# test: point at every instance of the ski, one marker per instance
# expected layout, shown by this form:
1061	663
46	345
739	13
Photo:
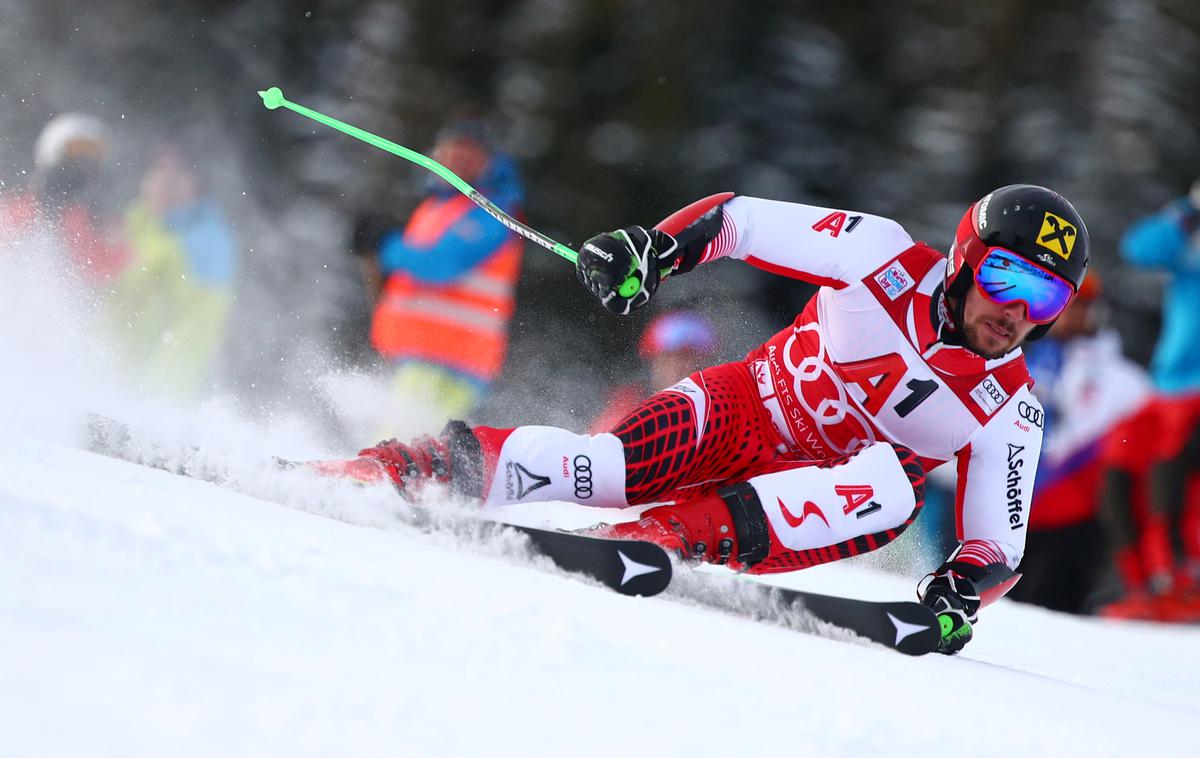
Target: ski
626	566
905	626
629	567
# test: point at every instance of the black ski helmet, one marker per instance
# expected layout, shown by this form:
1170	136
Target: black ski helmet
1036	223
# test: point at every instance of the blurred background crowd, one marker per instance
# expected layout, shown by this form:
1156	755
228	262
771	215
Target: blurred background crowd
225	249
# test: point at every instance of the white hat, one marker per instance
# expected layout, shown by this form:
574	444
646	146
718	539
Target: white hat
70	134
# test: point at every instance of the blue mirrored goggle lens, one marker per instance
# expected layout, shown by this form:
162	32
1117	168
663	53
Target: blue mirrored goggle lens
1005	277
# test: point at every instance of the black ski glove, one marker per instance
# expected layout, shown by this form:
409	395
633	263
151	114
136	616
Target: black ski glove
606	261
954	599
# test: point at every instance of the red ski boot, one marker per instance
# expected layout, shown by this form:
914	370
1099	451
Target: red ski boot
453	458
411	466
728	528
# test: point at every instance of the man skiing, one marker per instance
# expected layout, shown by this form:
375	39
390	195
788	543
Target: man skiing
815	446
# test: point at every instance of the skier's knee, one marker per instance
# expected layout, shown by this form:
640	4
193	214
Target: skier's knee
876	491
915	472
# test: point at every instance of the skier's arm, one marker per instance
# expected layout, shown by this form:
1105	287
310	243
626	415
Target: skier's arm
609	263
996	471
823	246
1161	240
995	489
819	245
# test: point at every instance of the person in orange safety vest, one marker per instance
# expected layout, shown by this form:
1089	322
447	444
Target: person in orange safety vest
446	280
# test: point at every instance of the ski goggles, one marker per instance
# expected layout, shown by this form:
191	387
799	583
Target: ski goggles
1005	277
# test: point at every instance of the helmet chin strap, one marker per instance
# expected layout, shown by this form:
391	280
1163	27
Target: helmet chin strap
947	315
958	312
956	308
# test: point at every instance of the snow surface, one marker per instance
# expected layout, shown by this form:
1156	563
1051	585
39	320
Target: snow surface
142	613
146	614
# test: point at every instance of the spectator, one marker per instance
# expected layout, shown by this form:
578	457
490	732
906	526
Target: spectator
675	344
446	280
62	200
1086	387
1138	540
171	305
1170	241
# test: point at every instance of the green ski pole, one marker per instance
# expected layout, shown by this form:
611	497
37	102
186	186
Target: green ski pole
273	98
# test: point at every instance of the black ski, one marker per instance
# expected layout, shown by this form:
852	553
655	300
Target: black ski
908	627
627	566
630	567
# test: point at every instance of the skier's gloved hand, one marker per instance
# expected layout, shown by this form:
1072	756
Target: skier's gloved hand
954	599
606	261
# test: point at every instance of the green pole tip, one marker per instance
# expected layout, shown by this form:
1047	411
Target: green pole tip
272	98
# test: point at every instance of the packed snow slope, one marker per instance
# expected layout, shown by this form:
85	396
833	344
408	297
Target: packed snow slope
146	614
142	613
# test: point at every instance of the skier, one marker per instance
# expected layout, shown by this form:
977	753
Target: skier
815	446
446	278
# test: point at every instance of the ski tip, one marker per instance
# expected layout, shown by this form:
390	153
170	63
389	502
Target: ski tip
272	98
645	577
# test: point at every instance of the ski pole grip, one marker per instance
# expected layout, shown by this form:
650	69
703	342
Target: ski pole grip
629	287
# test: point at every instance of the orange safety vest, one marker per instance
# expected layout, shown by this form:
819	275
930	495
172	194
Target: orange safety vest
461	324
89	250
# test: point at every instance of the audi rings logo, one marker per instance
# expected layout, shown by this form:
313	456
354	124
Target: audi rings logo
583	476
1030	414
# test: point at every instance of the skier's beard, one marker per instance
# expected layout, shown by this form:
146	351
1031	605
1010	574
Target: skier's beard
992	337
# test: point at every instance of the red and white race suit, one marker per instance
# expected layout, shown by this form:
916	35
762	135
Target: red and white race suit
865	363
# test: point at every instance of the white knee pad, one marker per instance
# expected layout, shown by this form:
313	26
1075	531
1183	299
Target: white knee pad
541	463
810	507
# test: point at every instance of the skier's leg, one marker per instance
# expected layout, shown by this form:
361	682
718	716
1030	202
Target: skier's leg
707	430
498	466
792	514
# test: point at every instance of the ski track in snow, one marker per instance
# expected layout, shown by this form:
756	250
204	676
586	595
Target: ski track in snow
142	613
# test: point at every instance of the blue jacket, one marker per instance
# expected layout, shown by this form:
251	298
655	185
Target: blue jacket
471	240
1170	240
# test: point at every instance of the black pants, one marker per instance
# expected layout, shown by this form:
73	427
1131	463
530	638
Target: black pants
1062	567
